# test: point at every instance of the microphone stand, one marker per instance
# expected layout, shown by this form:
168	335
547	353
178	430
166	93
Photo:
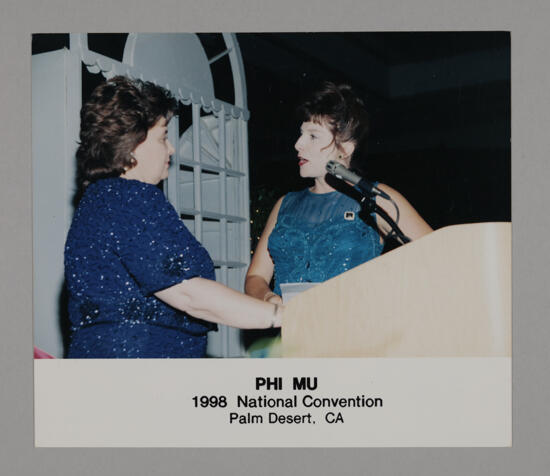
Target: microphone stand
373	206
368	203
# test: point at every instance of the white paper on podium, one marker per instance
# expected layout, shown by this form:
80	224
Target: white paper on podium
289	290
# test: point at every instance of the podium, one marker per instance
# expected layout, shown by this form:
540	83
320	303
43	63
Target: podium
447	294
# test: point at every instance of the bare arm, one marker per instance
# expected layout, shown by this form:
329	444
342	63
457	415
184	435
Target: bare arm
261	268
215	302
410	222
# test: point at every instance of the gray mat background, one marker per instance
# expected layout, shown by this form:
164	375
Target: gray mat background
527	20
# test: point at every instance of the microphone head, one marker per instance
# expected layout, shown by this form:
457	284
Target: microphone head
332	166
340	171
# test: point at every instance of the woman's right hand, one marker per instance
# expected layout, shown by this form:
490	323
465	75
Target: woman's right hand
273	298
278	314
207	299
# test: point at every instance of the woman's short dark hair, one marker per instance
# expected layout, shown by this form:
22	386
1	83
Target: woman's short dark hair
114	121
340	109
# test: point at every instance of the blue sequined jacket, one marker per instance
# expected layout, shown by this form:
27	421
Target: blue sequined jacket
126	242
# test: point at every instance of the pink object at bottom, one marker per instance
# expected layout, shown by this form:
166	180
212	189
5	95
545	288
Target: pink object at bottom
40	354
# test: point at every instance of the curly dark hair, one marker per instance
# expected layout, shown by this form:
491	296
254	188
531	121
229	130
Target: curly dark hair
341	110
114	121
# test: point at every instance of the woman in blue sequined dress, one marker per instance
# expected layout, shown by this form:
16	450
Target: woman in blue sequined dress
139	283
316	234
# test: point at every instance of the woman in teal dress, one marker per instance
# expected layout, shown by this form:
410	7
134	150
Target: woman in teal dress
316	234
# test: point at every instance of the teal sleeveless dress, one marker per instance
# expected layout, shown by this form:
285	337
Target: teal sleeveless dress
318	237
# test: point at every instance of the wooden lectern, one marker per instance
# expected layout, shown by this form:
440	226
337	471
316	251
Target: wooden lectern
447	294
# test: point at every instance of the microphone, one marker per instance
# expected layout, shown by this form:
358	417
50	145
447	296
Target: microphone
341	172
